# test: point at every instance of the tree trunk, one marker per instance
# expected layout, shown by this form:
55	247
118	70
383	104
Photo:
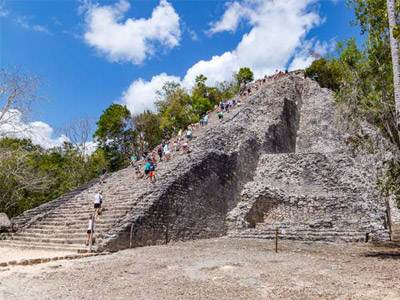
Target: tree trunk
394	46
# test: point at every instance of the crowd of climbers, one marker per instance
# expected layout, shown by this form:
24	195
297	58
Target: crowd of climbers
178	144
249	89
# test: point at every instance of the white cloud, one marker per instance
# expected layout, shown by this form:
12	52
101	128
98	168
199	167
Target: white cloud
278	29
217	69
26	23
192	34
39	132
131	40
141	94
301	61
90	147
310	51
277	37
40	28
3	11
230	20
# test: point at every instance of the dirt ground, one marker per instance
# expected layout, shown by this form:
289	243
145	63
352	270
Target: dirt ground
215	269
9	254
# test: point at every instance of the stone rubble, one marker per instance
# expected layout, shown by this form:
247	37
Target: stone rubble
5	223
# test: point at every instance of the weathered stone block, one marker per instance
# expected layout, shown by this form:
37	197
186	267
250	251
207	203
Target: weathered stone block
5	223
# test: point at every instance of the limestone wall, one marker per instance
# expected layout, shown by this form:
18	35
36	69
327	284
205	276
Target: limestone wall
321	187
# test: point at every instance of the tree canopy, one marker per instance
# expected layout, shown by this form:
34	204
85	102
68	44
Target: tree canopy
244	76
115	135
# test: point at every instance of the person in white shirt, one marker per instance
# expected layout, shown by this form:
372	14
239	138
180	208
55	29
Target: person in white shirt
98	200
167	152
90	229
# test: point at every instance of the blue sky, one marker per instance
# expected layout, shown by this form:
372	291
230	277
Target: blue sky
87	61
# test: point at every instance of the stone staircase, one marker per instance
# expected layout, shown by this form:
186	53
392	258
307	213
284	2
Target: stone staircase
64	227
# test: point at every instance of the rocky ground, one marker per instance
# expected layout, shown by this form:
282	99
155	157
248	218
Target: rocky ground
215	269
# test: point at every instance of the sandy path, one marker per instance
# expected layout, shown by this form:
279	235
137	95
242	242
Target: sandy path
215	269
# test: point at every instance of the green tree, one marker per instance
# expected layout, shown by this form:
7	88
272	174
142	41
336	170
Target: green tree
175	108
31	175
18	175
326	73
148	126
115	135
201	102
371	82
227	90
244	76
200	89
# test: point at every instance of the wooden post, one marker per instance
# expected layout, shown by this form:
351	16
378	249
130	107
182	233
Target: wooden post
276	240
167	233
130	238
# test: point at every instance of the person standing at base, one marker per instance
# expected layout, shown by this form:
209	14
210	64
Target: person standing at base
90	230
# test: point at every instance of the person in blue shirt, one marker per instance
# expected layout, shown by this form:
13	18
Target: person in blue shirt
147	167
150	170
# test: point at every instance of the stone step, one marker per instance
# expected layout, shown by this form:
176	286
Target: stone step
78	226
61	230
59	224
116	205
107	213
90	210
35	245
85	217
56	234
48	239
